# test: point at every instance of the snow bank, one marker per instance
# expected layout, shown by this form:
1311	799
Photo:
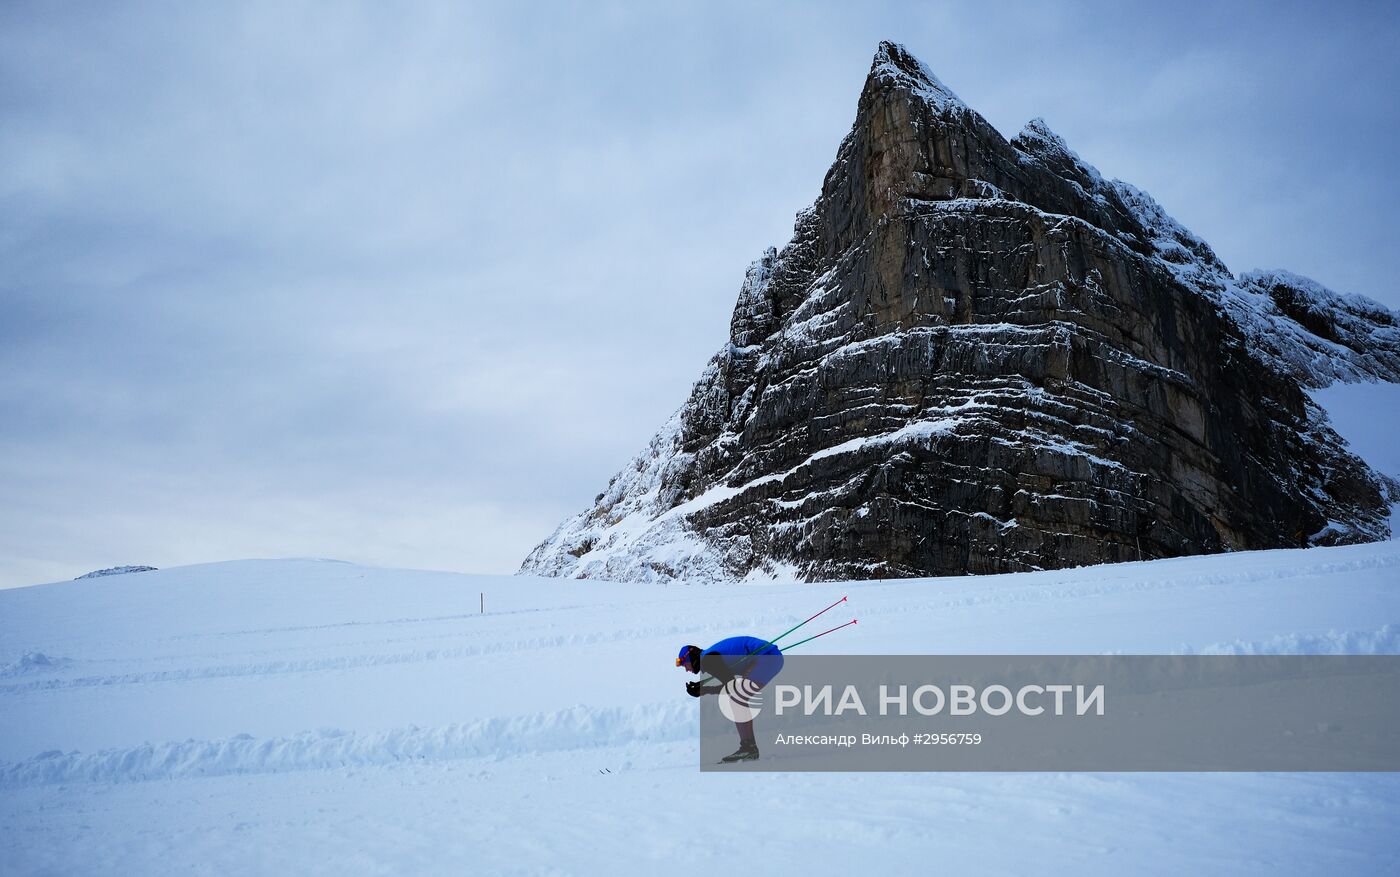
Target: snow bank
577	727
1385	641
33	662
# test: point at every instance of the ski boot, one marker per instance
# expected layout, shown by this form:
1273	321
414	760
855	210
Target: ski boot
746	752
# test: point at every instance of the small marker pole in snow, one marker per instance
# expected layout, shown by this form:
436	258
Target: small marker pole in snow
483	602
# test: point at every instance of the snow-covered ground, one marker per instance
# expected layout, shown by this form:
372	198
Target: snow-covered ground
319	717
309	716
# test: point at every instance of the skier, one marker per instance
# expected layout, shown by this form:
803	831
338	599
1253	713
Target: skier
729	661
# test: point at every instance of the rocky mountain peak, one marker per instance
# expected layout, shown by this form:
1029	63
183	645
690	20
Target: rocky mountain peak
1037	130
895	67
1050	150
978	355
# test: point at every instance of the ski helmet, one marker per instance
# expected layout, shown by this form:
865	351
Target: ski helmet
689	658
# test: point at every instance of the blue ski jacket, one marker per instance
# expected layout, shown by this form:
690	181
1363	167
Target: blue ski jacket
746	656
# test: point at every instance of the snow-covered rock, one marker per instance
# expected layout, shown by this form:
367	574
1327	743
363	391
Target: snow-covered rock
115	571
978	355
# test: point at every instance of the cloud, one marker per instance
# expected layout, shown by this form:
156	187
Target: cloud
407	286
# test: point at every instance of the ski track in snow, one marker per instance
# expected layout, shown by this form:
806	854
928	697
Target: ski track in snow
325	718
577	727
1059	592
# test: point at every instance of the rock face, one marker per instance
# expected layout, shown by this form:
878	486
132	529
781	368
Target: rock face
979	356
114	571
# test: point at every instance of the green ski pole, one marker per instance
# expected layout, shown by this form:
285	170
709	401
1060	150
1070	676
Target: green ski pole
748	658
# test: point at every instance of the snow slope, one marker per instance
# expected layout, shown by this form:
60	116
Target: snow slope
306	716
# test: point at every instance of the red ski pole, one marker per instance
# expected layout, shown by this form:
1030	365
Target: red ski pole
823	633
775	639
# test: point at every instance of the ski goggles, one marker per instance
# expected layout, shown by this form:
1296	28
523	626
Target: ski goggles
685	653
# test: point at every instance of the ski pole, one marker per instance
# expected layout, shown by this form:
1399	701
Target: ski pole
823	633
773	642
775	639
747	658
809	639
751	655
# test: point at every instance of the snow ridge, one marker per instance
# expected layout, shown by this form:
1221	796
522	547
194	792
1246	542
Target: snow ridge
33	663
326	749
1385	641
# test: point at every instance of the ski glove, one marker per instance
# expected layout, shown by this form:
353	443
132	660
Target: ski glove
697	688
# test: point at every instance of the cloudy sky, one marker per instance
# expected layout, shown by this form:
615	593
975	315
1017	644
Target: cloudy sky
404	284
